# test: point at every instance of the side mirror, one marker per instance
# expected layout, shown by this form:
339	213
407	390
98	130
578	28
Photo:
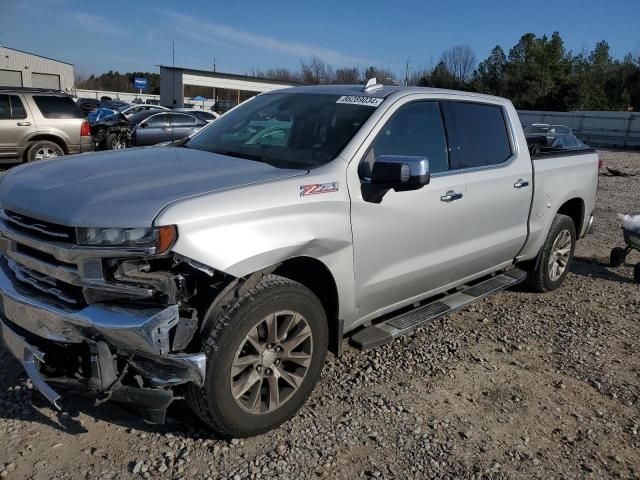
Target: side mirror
400	172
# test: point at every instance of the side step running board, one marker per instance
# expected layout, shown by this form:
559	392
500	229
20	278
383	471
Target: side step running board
385	332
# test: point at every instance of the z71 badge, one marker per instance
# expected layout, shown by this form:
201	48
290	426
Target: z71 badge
317	188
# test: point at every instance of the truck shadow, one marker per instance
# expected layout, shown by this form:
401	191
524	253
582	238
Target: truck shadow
595	268
20	402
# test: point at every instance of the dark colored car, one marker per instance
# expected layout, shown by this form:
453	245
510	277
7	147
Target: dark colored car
544	142
87	105
153	126
145	128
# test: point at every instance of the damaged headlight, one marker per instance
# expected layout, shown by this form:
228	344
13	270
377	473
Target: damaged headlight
162	238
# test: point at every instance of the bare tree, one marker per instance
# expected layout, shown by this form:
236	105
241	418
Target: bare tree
460	61
316	71
347	76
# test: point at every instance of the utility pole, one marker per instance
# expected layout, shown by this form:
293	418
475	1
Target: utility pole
406	73
214	64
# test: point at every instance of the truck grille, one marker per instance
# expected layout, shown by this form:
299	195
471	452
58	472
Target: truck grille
46	284
38	228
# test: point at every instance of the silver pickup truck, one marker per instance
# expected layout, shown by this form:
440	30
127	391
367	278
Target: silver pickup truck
222	268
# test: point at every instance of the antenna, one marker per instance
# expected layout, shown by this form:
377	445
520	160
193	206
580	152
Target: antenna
372	84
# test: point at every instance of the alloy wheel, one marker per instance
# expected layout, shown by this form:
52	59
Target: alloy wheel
560	255
45	153
271	362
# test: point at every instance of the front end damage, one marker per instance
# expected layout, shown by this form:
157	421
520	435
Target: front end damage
117	323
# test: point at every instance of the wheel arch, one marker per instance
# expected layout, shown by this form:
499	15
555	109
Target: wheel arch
574	208
49	137
316	276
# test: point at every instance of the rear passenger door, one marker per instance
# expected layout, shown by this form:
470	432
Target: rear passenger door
498	179
182	125
16	126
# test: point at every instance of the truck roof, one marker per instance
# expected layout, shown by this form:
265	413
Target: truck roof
382	91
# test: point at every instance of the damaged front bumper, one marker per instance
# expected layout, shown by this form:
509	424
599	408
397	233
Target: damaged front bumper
116	340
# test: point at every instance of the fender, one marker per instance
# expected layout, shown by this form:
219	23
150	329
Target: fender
244	230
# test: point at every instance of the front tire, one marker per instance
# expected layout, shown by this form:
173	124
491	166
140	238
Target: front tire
555	257
264	357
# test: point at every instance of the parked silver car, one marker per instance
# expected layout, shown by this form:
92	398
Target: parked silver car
37	124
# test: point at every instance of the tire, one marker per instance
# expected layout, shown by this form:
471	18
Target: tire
44	150
617	257
115	141
543	277
636	273
219	403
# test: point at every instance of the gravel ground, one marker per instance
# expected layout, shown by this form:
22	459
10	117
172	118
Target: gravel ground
518	386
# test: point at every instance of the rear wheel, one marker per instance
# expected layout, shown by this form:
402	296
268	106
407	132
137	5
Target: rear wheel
44	150
618	256
116	141
264	356
555	256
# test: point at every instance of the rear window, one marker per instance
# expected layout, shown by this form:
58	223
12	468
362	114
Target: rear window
481	134
52	106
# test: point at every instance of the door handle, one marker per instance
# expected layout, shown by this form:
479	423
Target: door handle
451	196
521	183
24	124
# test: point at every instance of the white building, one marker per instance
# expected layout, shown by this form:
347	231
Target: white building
23	69
223	89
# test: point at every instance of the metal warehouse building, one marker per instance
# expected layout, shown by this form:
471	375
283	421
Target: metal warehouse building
23	69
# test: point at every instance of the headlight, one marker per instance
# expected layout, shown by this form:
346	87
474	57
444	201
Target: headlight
161	237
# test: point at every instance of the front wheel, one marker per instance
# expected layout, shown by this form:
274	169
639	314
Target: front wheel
264	356
555	256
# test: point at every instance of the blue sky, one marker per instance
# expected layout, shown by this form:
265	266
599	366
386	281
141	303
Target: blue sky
122	35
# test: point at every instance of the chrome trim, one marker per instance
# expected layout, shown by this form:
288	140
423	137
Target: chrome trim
29	356
35	226
132	329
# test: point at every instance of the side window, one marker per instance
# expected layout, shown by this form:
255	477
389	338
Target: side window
5	108
158	120
183	120
416	129
17	108
481	137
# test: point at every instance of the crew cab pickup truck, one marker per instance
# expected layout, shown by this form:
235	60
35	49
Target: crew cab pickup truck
224	267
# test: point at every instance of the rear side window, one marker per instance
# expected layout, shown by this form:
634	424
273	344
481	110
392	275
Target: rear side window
52	106
481	137
17	108
183	120
158	120
414	130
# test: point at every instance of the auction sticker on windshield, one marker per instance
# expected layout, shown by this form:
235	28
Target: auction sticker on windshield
355	100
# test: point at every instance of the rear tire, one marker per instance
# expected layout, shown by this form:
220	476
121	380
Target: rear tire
115	141
617	257
44	150
555	257
636	273
247	390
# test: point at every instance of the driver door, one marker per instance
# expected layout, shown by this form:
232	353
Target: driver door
408	244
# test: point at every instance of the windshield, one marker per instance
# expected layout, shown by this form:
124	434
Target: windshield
285	130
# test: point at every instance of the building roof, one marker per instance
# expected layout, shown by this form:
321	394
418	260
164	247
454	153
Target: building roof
35	55
231	76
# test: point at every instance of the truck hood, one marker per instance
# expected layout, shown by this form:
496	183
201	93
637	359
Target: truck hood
126	188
